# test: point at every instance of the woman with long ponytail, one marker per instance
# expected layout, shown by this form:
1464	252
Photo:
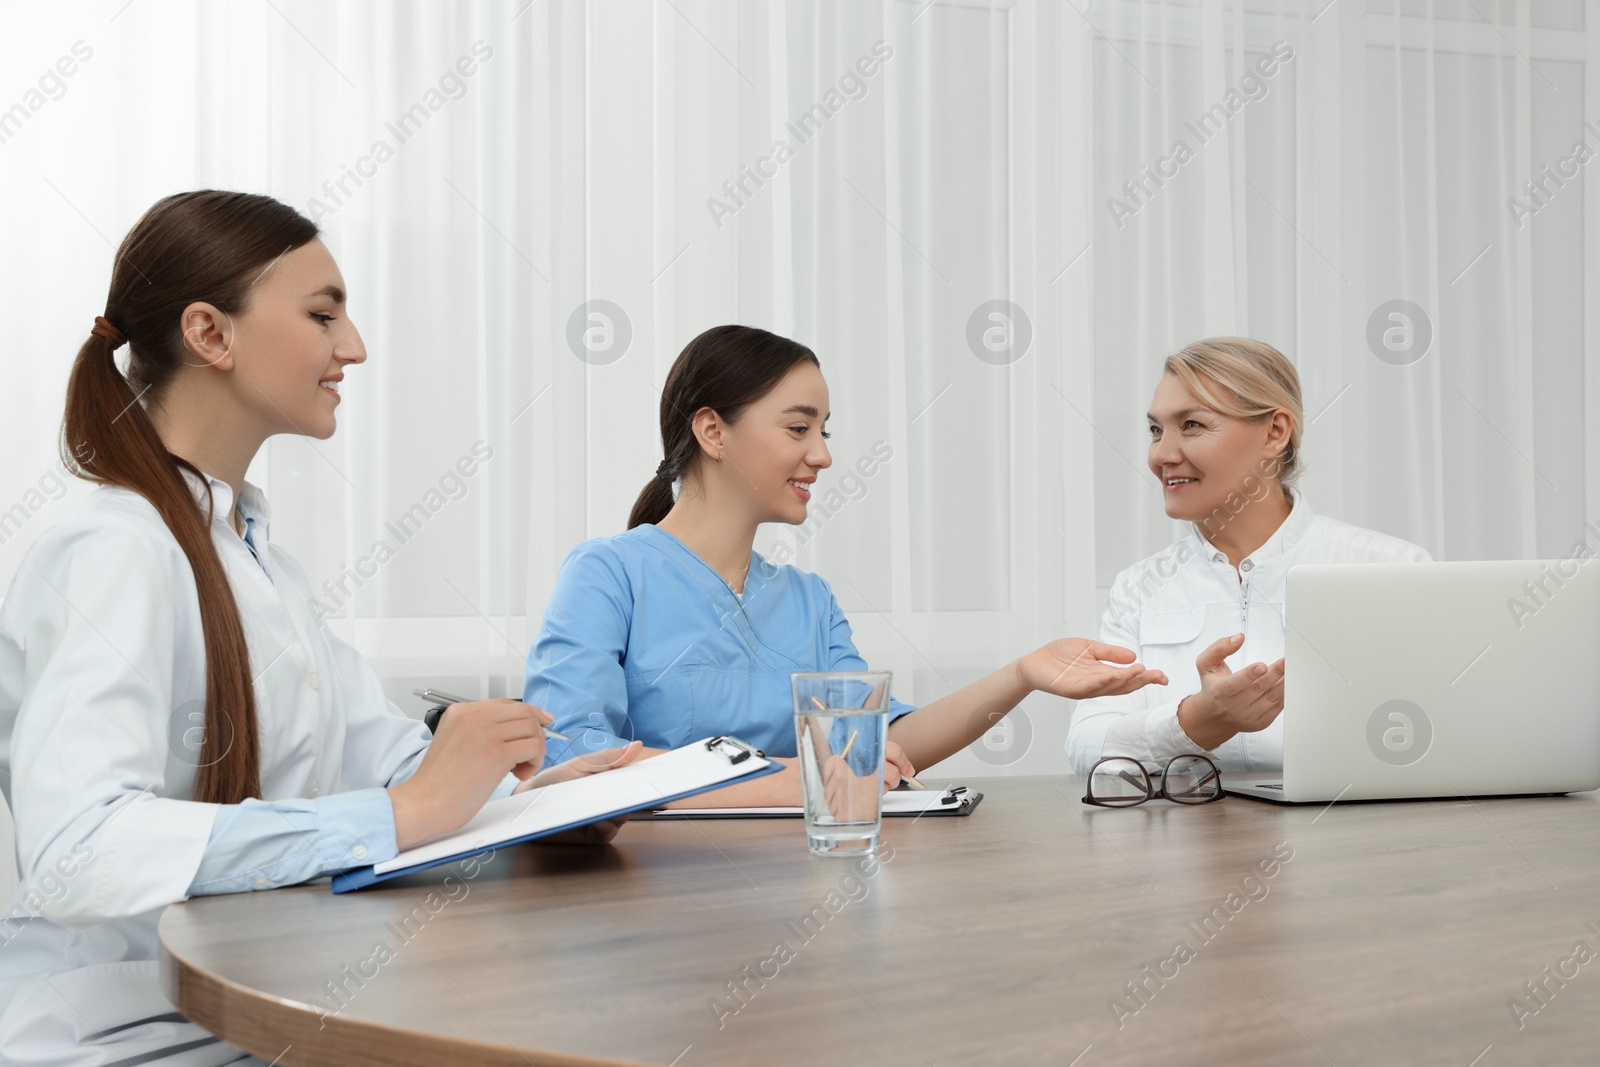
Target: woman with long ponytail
175	717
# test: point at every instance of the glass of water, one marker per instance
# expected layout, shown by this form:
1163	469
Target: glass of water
841	726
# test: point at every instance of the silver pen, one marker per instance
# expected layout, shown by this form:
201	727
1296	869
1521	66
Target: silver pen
446	698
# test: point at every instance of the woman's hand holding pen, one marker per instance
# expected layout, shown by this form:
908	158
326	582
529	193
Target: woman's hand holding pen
896	766
473	749
842	785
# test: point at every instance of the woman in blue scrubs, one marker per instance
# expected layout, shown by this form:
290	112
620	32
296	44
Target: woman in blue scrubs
677	629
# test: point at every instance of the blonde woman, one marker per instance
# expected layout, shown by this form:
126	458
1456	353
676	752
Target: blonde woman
1225	427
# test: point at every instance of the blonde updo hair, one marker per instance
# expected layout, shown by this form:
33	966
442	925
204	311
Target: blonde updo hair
1256	380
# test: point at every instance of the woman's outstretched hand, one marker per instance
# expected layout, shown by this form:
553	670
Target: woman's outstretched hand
1078	669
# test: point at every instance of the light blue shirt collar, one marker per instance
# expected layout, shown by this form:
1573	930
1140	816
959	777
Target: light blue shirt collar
253	508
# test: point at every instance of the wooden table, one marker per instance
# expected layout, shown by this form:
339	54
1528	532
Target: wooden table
1037	931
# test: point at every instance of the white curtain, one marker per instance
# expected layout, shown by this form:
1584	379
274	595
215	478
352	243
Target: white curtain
482	171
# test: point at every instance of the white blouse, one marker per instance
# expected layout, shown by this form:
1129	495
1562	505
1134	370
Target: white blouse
102	696
1170	607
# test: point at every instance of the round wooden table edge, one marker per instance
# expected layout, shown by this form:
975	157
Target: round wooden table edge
272	1027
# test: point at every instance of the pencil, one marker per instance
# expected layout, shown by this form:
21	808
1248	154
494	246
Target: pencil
909	779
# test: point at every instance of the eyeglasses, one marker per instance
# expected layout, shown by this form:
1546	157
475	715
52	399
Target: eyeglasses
1120	782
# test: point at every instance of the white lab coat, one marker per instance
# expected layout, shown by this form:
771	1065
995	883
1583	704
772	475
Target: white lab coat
1170	607
102	687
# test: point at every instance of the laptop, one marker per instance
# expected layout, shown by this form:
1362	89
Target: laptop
1438	680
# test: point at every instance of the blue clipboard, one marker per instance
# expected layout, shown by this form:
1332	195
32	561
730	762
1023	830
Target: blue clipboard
600	799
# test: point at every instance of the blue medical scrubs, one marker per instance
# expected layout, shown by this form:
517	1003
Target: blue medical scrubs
643	640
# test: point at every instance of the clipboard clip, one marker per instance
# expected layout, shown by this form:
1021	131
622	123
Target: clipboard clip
736	751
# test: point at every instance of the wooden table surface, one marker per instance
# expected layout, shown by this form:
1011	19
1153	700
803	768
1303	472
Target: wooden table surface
1036	931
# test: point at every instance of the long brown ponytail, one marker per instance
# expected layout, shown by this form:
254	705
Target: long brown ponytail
726	369
202	246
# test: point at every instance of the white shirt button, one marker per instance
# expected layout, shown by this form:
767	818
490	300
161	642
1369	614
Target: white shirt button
359	852
314	680
261	882
1246	565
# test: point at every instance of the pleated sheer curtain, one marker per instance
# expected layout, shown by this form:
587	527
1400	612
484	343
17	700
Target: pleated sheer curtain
991	222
